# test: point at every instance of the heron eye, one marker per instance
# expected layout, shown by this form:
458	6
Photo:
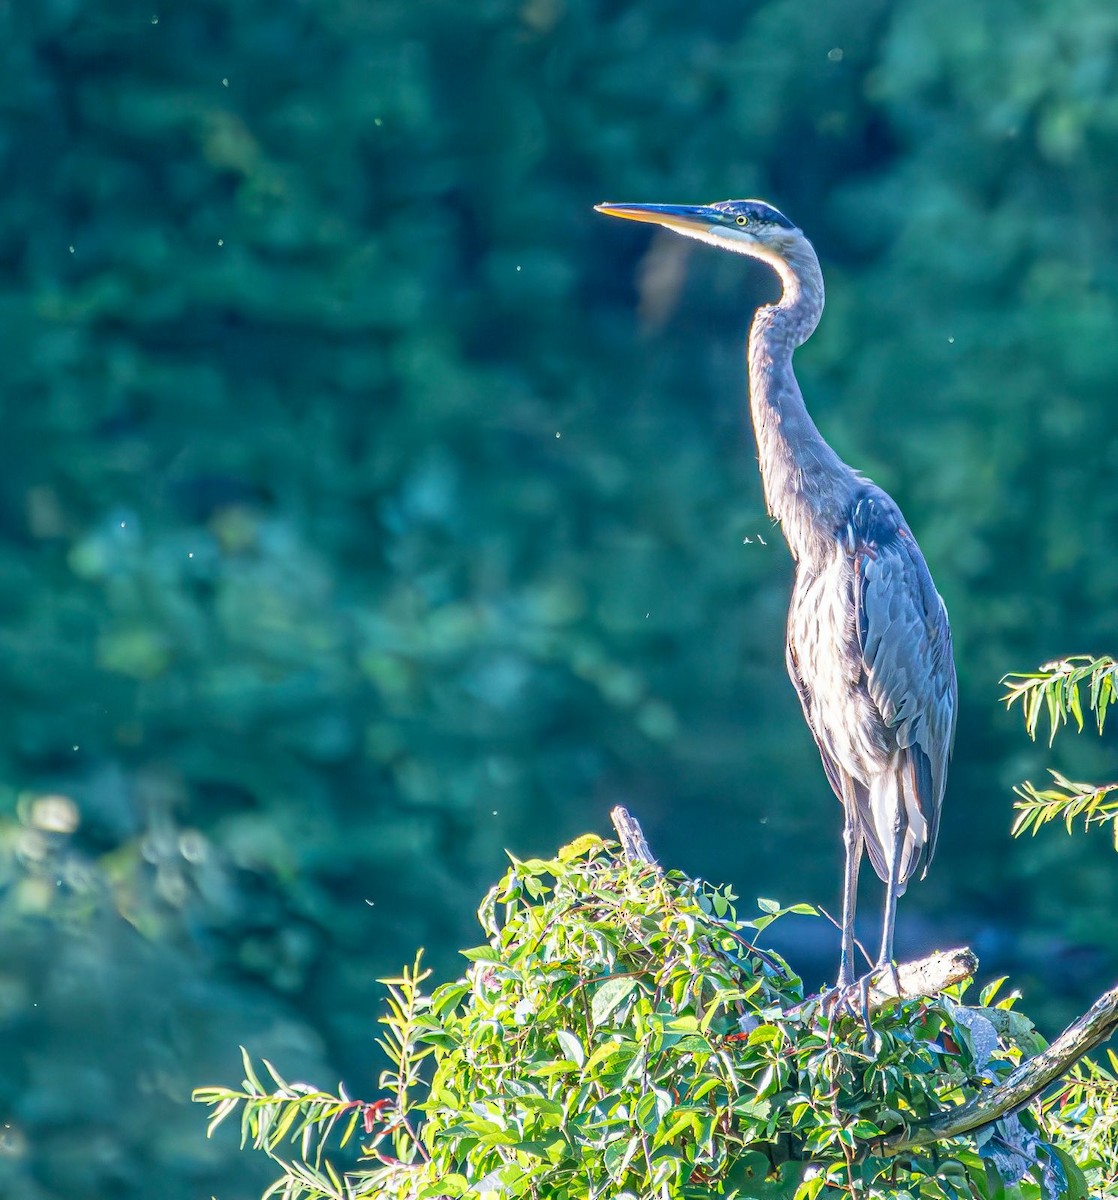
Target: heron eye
743	220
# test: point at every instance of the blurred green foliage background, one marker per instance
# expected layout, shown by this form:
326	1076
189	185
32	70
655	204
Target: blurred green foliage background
369	505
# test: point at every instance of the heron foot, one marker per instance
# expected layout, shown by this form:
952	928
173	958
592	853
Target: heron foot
848	1000
852	998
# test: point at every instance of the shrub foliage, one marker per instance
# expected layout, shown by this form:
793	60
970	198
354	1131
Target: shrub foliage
620	1033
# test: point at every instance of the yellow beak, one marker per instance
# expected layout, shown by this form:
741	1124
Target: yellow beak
673	216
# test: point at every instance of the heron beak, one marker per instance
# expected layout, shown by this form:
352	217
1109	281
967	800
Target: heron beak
686	217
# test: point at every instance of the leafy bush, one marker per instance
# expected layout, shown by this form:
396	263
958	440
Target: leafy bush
620	1033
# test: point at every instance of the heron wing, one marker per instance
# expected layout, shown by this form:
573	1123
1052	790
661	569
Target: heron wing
902	629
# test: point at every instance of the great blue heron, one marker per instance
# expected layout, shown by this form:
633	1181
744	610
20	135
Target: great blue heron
868	642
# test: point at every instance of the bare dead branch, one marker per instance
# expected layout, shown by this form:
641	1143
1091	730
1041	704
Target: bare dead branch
926	977
929	976
631	836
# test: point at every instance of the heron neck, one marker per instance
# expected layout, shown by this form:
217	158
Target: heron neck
805	482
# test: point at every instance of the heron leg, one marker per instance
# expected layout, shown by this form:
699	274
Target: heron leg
852	841
885	958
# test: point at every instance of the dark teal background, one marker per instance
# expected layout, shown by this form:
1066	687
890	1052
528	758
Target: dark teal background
369	505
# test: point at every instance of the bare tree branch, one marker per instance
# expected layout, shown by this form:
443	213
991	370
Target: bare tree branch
631	836
929	976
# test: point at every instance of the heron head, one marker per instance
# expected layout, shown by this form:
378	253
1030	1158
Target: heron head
746	226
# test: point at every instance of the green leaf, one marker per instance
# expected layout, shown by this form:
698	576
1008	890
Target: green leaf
559	1066
482	954
608	996
602	1054
679	1122
702	1090
450	1185
619	1154
810	1188
1078	1187
571	1045
986	997
651	1109
581	846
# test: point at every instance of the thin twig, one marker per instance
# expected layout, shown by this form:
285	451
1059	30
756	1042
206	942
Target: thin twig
838	926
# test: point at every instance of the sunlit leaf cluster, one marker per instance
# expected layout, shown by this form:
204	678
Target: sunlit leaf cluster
1055	690
1066	801
620	1033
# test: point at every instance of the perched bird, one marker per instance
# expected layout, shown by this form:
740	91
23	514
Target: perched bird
868	641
